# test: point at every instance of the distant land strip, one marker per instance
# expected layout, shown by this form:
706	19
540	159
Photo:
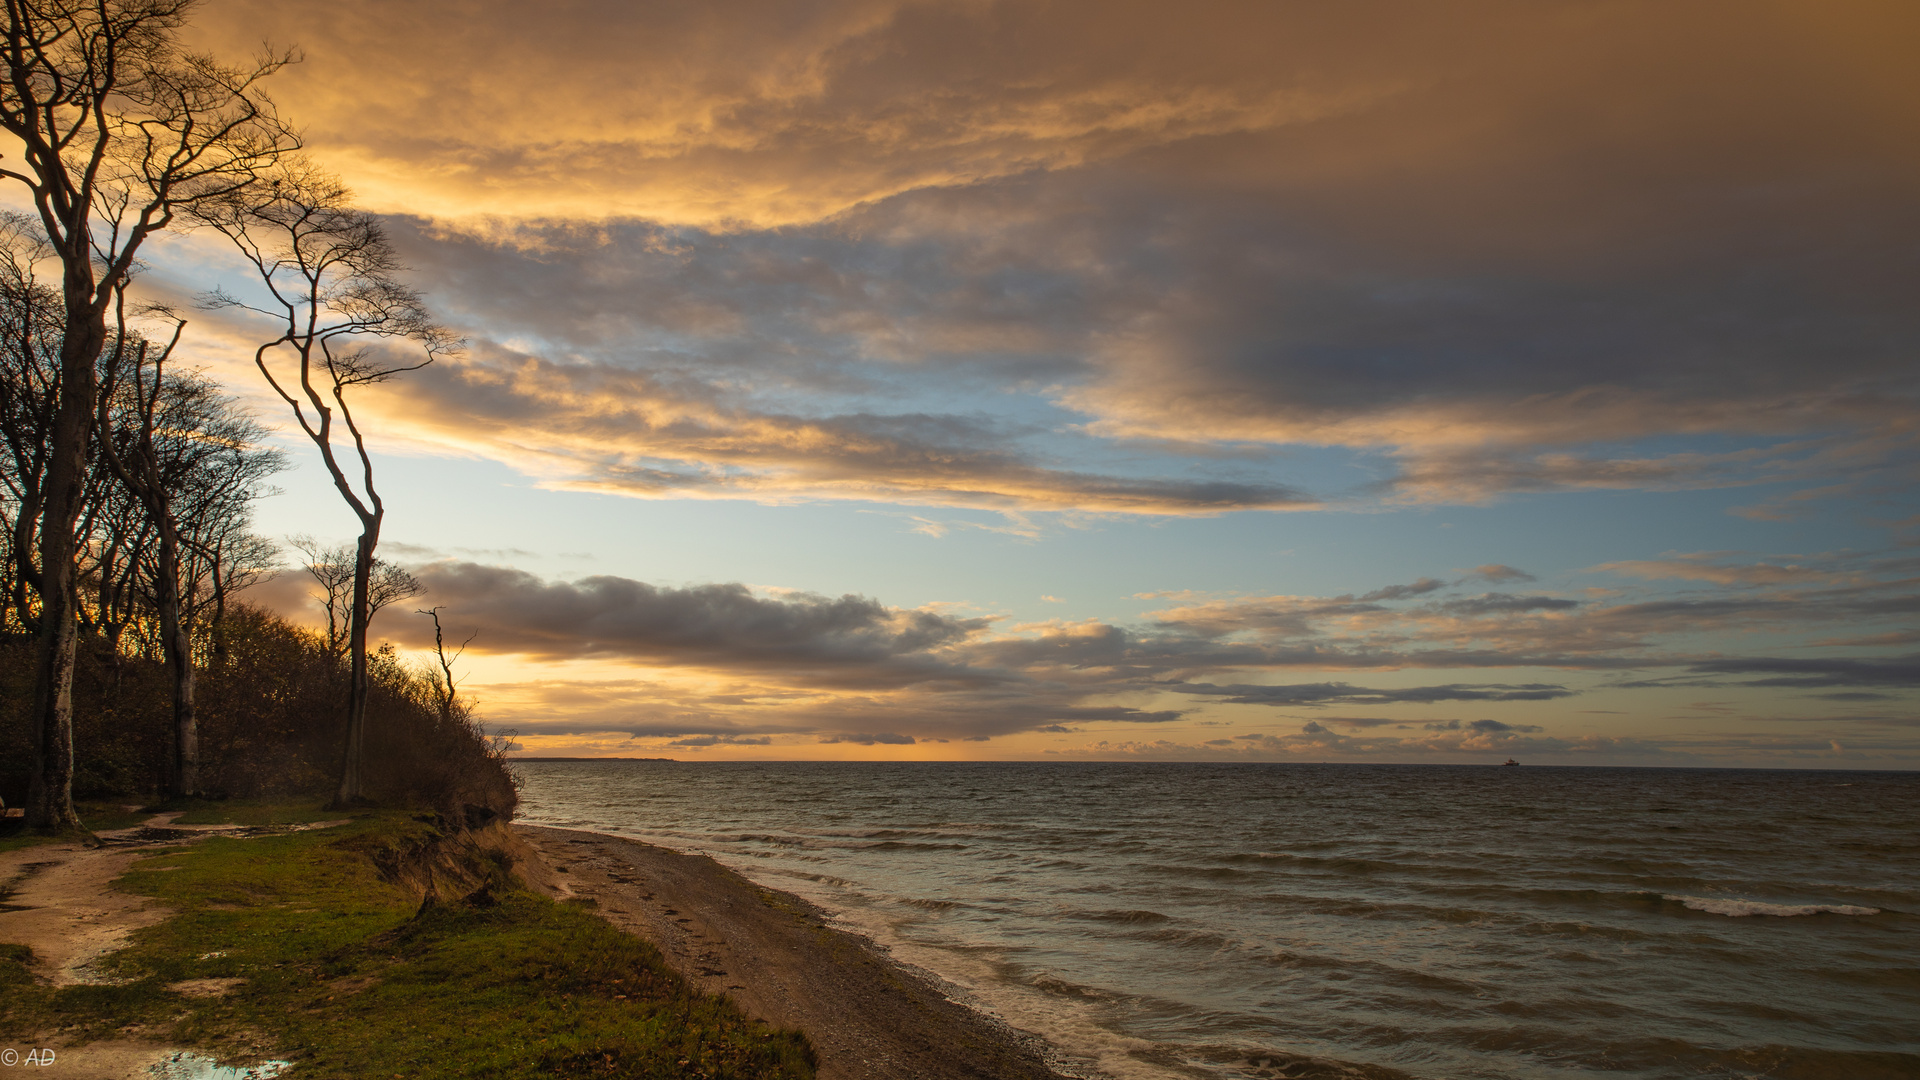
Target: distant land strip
592	759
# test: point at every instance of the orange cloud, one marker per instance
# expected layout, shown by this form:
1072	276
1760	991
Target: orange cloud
764	113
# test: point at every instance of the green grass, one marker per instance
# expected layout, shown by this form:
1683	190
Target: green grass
344	978
254	812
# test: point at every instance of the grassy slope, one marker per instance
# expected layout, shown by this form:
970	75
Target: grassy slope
343	978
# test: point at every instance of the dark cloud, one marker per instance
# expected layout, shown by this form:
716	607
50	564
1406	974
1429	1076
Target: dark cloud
1903	671
1329	693
850	638
851	668
1401	592
701	742
871	740
1504	602
1488	726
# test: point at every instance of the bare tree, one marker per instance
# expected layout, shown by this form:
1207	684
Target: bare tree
139	471
186	453
335	569
445	686
332	568
332	287
234	559
118	130
31	321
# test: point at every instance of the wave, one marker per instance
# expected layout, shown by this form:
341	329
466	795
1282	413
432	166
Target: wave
1736	908
1125	916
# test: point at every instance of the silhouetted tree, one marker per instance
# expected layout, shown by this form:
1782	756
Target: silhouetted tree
188	455
118	131
445	686
332	286
335	569
31	322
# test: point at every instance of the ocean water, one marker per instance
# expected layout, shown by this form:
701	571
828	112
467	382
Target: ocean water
1242	921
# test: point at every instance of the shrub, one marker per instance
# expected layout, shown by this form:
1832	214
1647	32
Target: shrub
271	710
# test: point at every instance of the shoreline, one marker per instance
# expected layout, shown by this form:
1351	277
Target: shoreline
869	1016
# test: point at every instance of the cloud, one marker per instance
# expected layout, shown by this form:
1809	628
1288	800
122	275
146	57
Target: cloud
1488	726
871	740
701	742
848	640
613	429
1498	574
766	113
805	251
1712	567
1903	671
1333	693
730	665
1401	592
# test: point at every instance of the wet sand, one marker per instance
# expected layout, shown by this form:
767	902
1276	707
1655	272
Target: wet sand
868	1017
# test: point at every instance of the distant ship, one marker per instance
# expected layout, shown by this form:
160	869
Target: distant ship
1510	761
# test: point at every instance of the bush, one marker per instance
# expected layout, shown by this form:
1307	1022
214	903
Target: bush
271	713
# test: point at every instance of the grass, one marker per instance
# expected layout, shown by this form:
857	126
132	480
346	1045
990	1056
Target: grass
252	812
346	978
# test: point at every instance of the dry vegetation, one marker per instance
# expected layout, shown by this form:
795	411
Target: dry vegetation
270	710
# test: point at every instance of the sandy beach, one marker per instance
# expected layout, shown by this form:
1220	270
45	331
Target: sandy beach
868	1017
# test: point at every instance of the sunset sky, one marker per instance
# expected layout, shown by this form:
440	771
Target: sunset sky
1251	381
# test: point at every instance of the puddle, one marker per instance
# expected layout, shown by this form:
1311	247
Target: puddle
187	1065
162	834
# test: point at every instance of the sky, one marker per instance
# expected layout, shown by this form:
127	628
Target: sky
1260	381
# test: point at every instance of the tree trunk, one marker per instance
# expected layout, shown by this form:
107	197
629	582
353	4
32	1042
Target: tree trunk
26	583
50	783
176	642
219	624
350	782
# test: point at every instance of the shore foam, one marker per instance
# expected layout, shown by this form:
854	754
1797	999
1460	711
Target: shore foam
1737	908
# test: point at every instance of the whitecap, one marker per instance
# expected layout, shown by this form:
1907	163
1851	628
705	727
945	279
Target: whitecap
1738	908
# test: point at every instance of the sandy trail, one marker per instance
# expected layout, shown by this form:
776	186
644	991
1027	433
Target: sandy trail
57	899
868	1017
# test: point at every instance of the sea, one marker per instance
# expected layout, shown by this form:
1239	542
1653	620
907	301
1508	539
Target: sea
1239	921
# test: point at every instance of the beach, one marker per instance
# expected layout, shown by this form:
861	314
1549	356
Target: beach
868	1017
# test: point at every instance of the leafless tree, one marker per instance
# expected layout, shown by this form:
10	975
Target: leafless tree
139	468
31	321
332	288
445	686
119	130
332	568
189	457
335	569
234	559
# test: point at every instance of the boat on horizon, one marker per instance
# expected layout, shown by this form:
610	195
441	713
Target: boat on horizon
1509	761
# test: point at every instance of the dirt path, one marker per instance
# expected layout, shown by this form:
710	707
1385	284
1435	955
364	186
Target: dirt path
868	1017
59	900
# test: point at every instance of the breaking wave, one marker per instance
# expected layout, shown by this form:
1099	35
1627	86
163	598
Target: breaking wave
1737	909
